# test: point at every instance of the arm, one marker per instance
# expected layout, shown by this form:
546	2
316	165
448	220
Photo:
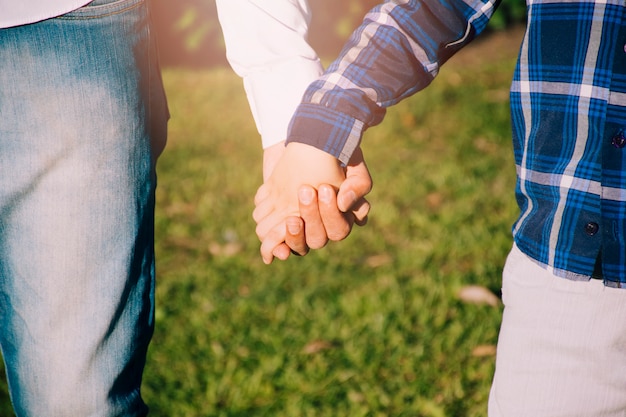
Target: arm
266	45
397	51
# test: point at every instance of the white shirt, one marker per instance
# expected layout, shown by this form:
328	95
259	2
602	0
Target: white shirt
21	12
266	45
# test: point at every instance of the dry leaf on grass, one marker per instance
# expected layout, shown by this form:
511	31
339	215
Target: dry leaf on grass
476	294
316	346
226	250
484	350
375	261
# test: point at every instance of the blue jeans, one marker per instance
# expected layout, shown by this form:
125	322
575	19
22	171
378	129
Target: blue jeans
82	120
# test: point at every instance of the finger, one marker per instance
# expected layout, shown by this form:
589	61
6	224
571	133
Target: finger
352	192
266	216
357	185
262	210
360	210
295	238
315	232
336	223
273	239
282	252
268	224
261	194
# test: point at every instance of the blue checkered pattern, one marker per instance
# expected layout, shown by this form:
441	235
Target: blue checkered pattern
568	106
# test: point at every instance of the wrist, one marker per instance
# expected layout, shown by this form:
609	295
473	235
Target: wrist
271	156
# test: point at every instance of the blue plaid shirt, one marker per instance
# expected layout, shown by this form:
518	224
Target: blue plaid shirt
568	107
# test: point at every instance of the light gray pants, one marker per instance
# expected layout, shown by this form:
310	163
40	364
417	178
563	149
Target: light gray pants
562	346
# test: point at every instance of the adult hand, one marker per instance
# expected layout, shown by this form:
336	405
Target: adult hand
327	215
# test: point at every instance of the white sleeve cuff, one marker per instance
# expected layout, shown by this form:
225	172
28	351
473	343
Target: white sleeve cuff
275	93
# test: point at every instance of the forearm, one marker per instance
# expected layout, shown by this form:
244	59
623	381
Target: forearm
397	51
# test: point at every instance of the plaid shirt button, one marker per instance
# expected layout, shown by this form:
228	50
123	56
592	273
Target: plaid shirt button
591	228
619	140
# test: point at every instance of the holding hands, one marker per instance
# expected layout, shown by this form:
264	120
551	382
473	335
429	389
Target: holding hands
307	199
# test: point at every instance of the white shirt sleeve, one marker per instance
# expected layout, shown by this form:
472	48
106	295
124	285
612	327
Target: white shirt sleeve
16	13
266	44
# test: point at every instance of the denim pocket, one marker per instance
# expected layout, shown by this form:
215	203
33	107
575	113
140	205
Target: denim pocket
102	8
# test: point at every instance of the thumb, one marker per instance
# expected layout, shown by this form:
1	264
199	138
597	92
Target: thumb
358	183
352	191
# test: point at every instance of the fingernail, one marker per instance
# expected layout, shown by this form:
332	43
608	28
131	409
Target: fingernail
293	226
325	194
305	194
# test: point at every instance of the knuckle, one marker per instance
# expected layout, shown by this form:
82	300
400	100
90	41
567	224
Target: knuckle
297	247
261	232
300	251
317	242
339	233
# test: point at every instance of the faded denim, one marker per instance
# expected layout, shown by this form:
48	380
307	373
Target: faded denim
82	121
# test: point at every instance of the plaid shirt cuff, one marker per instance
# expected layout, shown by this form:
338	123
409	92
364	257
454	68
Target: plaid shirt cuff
326	129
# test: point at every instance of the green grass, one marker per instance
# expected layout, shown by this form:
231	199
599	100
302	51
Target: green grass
372	326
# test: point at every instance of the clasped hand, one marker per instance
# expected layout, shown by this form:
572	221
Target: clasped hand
309	199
